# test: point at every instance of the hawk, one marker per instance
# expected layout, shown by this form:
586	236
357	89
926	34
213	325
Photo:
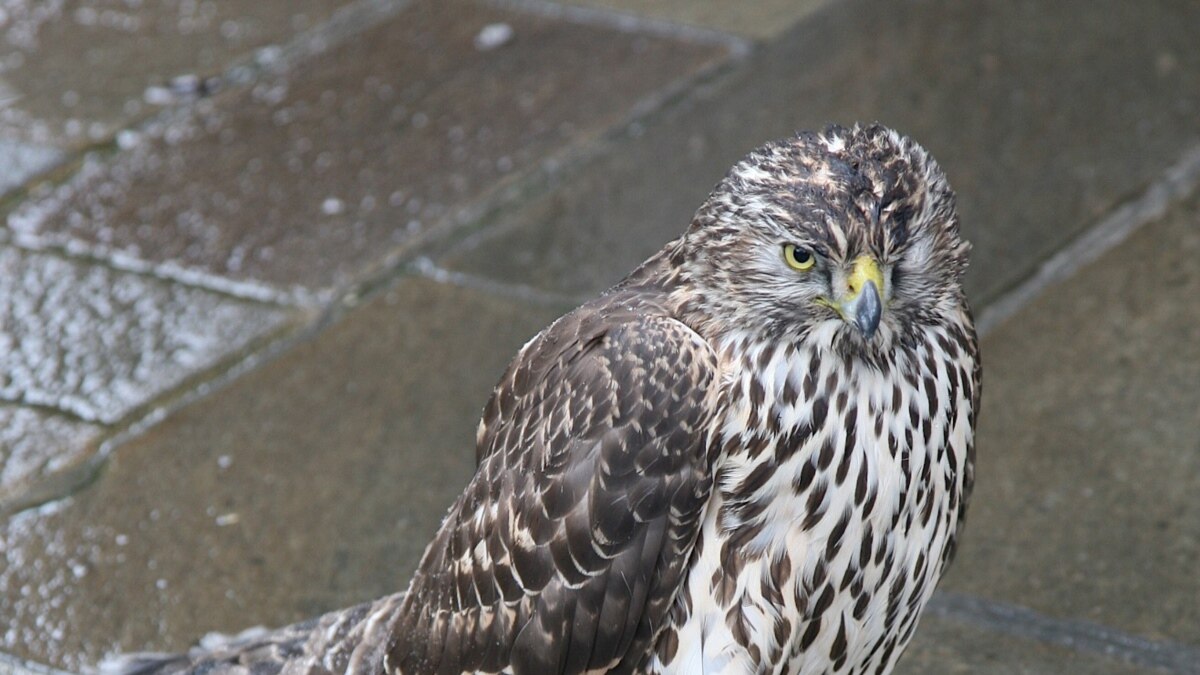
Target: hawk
753	454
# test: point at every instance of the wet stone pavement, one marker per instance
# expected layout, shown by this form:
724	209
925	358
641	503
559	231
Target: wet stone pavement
261	263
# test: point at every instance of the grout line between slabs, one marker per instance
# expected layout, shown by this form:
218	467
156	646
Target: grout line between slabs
196	386
145	415
11	665
1176	183
169	272
1074	634
629	23
343	24
425	267
66	414
74	250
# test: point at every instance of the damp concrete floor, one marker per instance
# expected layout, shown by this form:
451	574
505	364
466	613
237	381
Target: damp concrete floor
262	262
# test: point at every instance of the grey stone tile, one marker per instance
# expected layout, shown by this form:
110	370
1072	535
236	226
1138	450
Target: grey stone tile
21	161
311	483
97	343
1089	444
762	19
309	179
77	69
36	447
944	647
1043	115
14	666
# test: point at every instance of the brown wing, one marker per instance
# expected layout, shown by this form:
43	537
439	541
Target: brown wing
568	546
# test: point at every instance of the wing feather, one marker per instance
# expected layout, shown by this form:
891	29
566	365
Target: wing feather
565	551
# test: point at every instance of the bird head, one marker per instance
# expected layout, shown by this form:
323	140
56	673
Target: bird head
848	237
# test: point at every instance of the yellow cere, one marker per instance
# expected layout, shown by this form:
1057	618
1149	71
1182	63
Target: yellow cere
798	258
865	269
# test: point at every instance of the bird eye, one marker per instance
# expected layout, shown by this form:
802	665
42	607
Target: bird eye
798	258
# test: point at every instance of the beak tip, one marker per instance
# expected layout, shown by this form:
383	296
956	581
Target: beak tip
868	311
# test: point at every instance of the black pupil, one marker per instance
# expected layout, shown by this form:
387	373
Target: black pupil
801	255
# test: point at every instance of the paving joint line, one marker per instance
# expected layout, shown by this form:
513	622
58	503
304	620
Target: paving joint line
48	409
69	248
629	22
1177	183
12	665
345	23
425	267
59	173
1074	634
52	489
148	414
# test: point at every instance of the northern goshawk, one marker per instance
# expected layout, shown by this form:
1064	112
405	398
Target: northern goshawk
752	455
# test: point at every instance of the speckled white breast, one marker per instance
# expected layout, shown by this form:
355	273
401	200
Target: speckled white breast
827	532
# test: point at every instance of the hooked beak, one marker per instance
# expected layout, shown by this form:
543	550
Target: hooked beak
862	304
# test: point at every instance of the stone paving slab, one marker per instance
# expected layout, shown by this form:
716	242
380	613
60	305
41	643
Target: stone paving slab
1089	444
762	19
942	647
308	179
96	343
1043	115
79	69
311	483
36	447
13	666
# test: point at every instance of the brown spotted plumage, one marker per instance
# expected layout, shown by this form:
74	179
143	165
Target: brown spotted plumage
752	455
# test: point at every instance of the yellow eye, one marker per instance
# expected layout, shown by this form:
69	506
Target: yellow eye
798	258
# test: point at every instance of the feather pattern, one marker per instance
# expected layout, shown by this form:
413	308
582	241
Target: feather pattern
566	550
